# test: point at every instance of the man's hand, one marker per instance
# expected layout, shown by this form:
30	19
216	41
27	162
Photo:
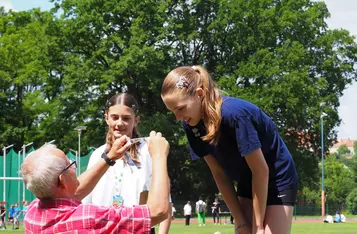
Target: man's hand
158	145
119	147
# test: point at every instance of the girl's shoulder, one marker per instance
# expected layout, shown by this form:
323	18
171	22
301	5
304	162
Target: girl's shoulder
99	151
232	107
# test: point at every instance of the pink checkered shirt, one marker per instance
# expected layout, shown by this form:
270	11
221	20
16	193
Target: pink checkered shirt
62	215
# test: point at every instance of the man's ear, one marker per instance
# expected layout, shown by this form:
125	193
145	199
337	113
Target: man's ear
62	181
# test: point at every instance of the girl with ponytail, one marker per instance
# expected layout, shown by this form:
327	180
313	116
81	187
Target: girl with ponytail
128	180
240	143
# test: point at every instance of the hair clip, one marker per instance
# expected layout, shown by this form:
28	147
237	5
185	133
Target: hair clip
194	68
107	104
182	82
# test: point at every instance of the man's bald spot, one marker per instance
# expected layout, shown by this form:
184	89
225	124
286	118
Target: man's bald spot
44	150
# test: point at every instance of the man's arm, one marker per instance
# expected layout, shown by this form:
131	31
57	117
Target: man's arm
158	199
165	225
89	179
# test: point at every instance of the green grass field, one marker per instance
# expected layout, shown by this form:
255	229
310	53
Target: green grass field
297	228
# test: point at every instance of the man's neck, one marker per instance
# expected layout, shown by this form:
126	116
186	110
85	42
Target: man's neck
63	194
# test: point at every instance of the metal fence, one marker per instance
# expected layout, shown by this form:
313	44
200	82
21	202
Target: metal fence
299	209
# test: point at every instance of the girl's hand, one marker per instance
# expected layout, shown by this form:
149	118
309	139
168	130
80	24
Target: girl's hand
260	230
239	229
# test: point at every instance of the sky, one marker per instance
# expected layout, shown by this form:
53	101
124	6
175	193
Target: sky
343	15
24	5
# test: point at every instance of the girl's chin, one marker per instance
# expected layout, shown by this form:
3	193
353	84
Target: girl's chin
193	123
118	134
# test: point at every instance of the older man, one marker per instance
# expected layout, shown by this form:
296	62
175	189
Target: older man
51	177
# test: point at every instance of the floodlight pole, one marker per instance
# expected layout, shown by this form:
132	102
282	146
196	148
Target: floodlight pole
23	158
80	129
50	142
18	182
322	166
76	152
4	185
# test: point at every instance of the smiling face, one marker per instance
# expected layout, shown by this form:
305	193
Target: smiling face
121	120
185	107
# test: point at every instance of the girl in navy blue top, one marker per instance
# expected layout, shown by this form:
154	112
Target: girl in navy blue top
239	143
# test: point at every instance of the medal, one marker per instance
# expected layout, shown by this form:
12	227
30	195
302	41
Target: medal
118	200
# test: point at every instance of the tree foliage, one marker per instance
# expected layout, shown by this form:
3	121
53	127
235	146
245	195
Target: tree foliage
57	72
343	150
352	201
339	180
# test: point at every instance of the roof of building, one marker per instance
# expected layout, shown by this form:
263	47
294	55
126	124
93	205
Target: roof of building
348	142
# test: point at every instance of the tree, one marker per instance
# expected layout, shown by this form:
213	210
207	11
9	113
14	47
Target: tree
278	54
24	69
343	150
339	180
352	201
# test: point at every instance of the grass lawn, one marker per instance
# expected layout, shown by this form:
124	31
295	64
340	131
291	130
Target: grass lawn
297	228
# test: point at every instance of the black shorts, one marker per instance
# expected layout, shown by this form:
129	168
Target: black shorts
285	197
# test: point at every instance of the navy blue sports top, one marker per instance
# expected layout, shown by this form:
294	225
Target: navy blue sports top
244	129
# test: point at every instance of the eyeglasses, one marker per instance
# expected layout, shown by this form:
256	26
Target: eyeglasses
72	163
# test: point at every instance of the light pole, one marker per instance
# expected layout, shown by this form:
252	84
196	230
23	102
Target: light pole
4	185
76	153
23	158
322	166
50	142
80	129
19	182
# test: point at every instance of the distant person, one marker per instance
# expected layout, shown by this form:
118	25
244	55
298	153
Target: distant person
337	218
187	211
17	214
200	210
2	216
25	206
173	211
328	219
11	215
216	210
343	218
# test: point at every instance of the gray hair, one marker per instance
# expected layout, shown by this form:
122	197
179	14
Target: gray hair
40	175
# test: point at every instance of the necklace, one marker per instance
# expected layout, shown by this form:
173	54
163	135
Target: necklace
118	199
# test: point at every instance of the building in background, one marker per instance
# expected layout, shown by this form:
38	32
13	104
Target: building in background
347	142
